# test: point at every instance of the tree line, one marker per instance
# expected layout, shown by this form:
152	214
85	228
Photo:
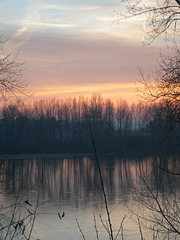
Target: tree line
62	126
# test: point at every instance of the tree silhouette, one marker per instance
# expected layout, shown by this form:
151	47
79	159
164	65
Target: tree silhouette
11	69
159	17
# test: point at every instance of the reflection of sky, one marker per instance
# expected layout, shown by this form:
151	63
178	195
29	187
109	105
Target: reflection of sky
72	179
73	186
68	44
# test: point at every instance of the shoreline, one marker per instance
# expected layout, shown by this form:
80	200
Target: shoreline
43	156
20	156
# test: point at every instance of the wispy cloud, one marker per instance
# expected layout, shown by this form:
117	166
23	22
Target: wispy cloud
20	37
19	32
58	59
82	15
114	91
72	47
48	24
66	6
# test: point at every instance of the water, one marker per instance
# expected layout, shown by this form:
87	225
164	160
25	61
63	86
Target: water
72	186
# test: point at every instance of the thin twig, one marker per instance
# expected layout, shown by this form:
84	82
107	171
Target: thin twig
95	226
34	217
102	184
120	229
106	228
12	218
80	230
140	229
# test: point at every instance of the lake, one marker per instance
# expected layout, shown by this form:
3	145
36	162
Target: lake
71	186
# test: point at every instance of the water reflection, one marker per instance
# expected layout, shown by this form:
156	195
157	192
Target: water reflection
69	177
73	183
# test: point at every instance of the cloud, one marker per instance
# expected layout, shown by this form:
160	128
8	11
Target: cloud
47	24
78	5
56	59
20	37
114	91
46	16
72	48
81	15
19	32
65	6
67	16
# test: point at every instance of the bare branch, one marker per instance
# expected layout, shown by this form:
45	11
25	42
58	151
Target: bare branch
11	71
102	184
159	17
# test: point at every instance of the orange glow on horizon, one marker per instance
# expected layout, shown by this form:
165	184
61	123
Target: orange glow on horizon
114	91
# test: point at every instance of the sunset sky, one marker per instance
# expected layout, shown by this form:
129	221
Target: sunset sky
74	48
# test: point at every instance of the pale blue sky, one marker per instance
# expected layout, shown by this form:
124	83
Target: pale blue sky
74	47
80	16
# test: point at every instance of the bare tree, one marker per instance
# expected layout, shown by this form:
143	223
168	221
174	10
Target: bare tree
163	87
160	16
159	211
11	69
123	117
165	82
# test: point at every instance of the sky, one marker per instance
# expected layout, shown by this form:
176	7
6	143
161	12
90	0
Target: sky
73	48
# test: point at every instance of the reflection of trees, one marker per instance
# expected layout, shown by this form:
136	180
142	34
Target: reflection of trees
158	198
76	180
